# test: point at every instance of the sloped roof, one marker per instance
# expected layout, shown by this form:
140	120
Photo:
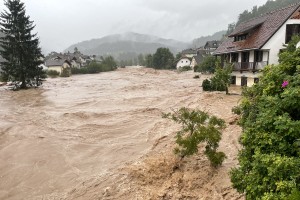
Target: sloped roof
212	44
261	29
59	62
199	58
189	51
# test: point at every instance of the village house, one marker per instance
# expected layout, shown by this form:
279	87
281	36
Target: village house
197	60
58	65
256	43
58	61
183	62
211	46
189	53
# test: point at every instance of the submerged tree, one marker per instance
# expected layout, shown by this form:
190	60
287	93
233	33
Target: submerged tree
198	127
20	48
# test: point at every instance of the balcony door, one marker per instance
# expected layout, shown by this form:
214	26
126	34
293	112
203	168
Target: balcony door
245	60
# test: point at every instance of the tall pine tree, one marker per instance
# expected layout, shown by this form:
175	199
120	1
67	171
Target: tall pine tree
20	48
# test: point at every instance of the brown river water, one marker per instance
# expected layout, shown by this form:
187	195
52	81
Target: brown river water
73	137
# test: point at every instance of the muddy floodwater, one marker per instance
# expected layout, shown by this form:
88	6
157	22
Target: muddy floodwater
73	138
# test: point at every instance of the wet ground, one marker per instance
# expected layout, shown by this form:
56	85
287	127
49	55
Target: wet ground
100	136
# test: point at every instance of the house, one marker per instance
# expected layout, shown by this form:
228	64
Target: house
211	46
189	53
58	64
76	59
197	60
256	43
184	61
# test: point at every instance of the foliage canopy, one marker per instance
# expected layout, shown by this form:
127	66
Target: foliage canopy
198	127
270	118
163	59
20	48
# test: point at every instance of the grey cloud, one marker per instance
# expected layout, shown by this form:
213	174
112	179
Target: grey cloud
62	23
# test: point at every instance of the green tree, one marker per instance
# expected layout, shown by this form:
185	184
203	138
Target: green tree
149	60
109	62
141	60
178	56
269	162
20	48
163	59
220	81
208	65
197	127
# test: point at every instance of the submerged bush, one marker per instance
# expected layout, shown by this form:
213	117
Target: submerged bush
198	127
65	72
52	73
185	68
206	85
220	81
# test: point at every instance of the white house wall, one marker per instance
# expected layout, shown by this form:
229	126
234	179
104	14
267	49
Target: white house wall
240	56
183	62
277	41
265	55
251	56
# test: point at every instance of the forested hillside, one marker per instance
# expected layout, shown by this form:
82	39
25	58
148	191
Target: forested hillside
267	7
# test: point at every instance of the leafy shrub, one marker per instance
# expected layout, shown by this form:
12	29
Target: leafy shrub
206	85
52	73
196	67
196	127
94	67
208	65
269	162
184	68
220	81
65	72
82	70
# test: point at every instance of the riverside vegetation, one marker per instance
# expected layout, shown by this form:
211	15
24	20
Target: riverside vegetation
198	127
269	162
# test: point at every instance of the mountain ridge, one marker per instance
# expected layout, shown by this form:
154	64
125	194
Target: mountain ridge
129	45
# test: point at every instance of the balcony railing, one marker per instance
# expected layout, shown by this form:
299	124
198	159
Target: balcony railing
249	66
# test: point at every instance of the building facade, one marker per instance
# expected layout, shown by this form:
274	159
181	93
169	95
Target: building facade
256	43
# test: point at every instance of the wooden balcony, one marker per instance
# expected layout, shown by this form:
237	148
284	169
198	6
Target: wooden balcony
249	66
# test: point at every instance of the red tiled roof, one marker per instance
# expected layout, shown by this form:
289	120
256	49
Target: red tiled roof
261	29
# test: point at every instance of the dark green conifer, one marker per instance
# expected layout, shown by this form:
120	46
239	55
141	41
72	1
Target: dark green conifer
20	48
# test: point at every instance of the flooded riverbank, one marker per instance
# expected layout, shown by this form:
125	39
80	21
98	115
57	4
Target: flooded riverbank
73	138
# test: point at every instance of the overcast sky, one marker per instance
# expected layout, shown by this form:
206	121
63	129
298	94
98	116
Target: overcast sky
61	23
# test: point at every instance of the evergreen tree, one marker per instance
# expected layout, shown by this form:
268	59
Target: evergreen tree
20	48
163	59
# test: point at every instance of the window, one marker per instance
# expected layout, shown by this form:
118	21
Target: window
244	81
240	37
258	56
245	56
291	30
233	80
234	57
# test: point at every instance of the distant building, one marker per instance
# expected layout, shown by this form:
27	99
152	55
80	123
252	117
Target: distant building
58	65
75	60
197	60
189	53
184	61
211	46
256	43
